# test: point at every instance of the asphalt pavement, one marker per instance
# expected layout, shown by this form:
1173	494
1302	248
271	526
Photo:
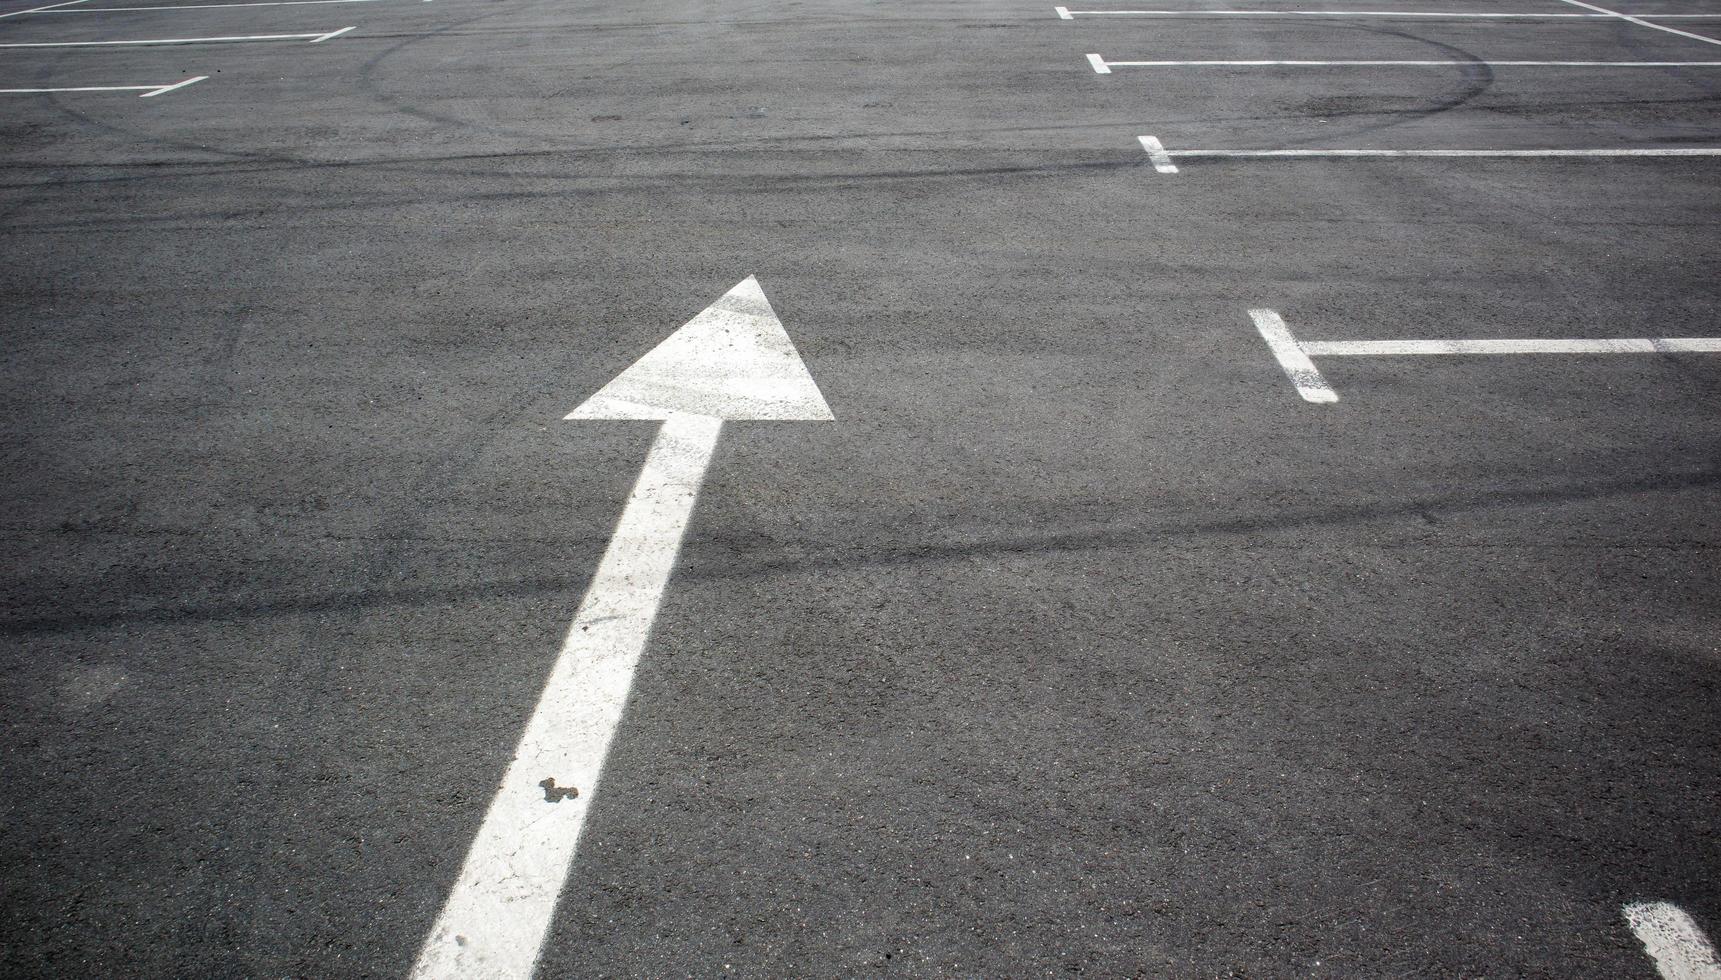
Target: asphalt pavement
1077	642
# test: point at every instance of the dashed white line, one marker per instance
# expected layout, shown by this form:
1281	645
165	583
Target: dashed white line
1673	941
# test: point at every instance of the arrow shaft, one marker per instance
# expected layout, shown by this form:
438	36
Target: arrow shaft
500	910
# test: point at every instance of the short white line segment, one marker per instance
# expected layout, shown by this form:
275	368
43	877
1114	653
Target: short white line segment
1295	356
1104	67
1673	941
1639	21
313	38
1156	152
733	361
1291	357
331	34
174	87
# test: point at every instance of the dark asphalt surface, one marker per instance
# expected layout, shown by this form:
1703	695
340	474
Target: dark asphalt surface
1077	644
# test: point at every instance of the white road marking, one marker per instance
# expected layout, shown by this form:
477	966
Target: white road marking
1064	13
213	6
1104	67
1296	364
1156	152
733	361
1396	348
174	87
176	40
338	33
80	88
1673	941
1295	355
1639	21
1160	155
37	10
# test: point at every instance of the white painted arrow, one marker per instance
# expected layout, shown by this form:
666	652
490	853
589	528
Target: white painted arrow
733	361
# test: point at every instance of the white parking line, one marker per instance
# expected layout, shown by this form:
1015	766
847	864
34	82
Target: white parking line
1165	160
212	6
1673	941
313	38
1065	13
1292	358
1104	67
37	10
1639	21
149	91
174	87
1295	356
1156	152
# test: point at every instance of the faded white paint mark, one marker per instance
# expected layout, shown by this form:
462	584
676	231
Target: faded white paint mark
1292	358
733	361
1673	941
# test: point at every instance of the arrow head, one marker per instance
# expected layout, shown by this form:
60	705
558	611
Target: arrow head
732	361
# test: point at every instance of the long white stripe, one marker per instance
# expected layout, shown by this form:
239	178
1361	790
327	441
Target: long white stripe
1641	22
174	87
37	10
1097	62
82	88
1667	151
258	3
500	910
1296	364
1673	941
1064	13
165	40
1394	348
